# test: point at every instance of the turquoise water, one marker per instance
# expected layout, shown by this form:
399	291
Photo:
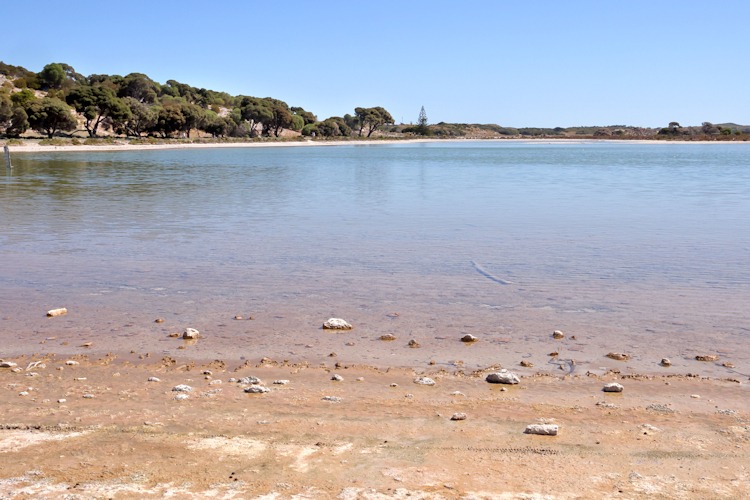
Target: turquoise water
630	247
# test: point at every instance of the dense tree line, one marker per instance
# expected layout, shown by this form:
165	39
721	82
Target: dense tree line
135	106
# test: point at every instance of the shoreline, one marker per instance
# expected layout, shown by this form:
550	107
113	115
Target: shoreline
117	426
76	148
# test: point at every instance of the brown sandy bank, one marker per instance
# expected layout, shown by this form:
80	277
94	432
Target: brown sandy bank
101	429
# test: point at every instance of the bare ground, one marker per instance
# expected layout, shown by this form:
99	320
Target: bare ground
117	435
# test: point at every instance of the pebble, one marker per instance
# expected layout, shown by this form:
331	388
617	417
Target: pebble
238	317
360	379
56	312
88	396
72	362
649	429
215	382
469	338
394	384
424	381
666	362
336	324
281	382
557	334
526	364
459	416
457	393
414	344
250	380
23	393
182	388
727	364
159	320
181	397
619	356
613	387
707	357
337	378
8	364
503	377
388	337
542	429
604	404
332	399
190	333
695	396
62	400
257	389
154	379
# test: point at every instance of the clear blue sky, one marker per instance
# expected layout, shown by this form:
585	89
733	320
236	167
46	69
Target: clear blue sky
537	63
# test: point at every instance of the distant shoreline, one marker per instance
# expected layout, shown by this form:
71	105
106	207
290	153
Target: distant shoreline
35	147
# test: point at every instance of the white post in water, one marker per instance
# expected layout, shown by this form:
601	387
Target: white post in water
7	157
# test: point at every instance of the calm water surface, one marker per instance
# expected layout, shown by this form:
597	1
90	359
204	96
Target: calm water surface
637	248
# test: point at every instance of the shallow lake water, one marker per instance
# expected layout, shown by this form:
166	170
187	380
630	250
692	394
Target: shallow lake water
636	248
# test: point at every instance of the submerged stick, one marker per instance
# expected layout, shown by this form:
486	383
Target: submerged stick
487	275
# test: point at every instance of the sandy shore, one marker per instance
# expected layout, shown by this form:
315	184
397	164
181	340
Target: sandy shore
35	147
95	427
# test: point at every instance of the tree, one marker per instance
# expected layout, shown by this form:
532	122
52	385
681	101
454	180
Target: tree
140	87
6	110
19	123
307	116
142	117
23	99
51	115
52	76
281	117
255	111
97	105
170	119
372	119
215	125
422	128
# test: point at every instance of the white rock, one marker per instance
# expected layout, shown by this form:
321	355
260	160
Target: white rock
337	378
23	393
502	377
88	396
257	389
250	380
336	324
191	333
542	429
8	364
424	381
182	388
72	362
459	416
332	399
215	382
57	312
613	387
457	393
281	382
557	334
181	397
62	400
154	379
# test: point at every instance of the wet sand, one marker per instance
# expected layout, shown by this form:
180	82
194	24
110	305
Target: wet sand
95	426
